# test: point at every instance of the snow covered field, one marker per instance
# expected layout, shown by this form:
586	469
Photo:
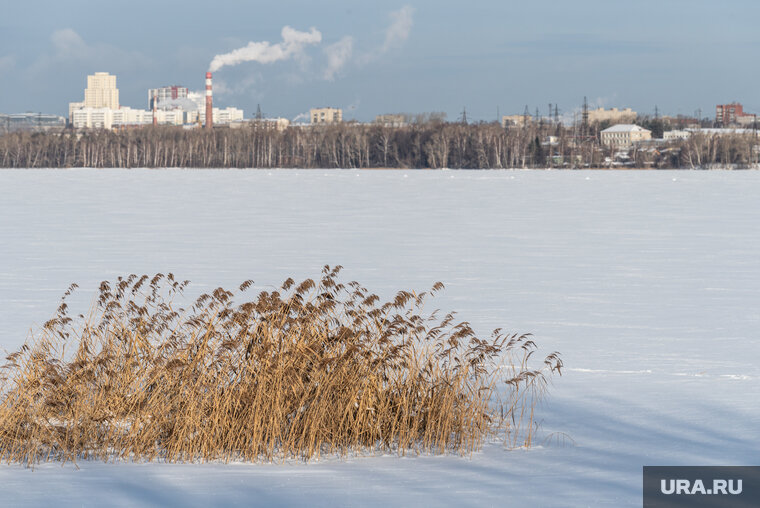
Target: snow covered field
647	282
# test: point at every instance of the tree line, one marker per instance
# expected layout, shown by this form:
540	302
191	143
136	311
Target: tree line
433	144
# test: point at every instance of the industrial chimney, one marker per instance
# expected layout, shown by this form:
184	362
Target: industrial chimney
209	103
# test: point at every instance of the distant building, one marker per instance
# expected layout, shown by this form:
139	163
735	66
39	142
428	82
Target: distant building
105	118
395	120
614	115
31	122
516	120
624	135
270	124
732	114
101	92
220	116
325	115
676	134
725	132
167	97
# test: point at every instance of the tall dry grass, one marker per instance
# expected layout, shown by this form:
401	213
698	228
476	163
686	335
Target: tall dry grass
317	367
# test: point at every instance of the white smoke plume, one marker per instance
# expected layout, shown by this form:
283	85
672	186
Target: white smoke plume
338	54
185	104
399	29
300	116
396	34
293	44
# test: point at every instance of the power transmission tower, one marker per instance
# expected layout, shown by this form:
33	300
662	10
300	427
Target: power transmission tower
526	116
463	118
656	112
556	114
584	119
259	114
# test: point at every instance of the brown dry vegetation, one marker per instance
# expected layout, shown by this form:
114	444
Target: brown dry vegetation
316	367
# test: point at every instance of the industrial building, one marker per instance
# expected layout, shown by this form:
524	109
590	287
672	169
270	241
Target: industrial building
167	97
30	122
325	115
219	116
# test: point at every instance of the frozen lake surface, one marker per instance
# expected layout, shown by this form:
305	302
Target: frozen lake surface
647	282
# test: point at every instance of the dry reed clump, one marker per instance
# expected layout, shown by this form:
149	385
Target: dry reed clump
318	367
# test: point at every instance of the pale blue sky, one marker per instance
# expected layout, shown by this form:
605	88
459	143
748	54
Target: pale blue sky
678	54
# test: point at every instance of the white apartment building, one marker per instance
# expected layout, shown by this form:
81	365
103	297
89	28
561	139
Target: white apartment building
101	92
105	118
624	135
325	115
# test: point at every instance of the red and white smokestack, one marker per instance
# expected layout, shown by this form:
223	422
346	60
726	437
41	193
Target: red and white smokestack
209	103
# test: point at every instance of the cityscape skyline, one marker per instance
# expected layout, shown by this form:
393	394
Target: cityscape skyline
411	57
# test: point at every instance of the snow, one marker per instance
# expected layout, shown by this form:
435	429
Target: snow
647	282
624	127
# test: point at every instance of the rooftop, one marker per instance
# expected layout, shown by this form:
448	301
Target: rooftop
624	127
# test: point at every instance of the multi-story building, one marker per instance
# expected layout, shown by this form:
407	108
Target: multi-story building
326	115
105	118
732	114
624	135
167	97
614	115
101	92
